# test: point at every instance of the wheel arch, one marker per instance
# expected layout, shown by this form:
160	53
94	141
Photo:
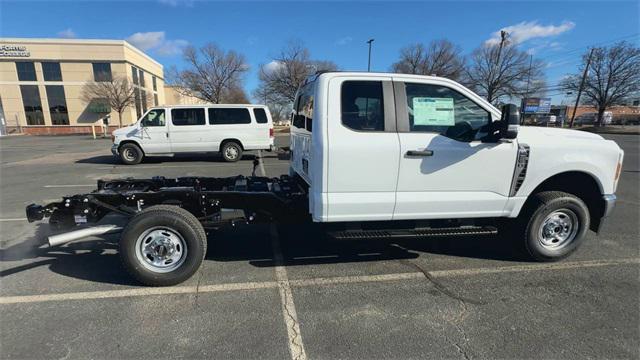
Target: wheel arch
123	142
231	140
581	184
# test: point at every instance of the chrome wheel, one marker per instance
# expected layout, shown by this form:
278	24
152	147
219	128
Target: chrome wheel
129	154
161	249
558	229
231	152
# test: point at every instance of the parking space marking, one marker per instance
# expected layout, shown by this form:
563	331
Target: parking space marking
281	276
110	294
69	185
15	219
296	347
261	163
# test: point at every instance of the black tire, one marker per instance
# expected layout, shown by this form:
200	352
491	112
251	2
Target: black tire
557	210
130	154
162	218
231	151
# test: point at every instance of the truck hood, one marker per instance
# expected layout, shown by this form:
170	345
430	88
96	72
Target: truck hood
534	133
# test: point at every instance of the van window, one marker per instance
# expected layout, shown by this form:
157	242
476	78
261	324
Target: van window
229	116
154	117
261	115
362	105
185	117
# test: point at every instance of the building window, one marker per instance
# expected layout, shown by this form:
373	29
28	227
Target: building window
26	71
32	105
102	72
155	99
57	105
144	101
51	71
134	75
136	93
155	85
141	77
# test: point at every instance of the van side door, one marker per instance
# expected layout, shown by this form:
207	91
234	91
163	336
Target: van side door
188	130
447	169
363	148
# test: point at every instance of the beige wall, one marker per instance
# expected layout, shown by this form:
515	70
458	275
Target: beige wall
174	97
75	58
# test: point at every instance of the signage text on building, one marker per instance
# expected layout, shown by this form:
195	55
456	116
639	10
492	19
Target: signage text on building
14	51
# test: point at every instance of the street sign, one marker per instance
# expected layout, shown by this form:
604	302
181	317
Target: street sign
536	105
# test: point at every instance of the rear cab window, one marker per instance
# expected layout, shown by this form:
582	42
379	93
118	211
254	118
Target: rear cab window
229	116
362	105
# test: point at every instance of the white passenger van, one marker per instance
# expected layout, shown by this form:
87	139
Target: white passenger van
174	129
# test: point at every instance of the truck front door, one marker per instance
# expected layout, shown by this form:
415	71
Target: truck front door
446	170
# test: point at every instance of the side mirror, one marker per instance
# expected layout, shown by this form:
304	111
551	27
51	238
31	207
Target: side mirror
509	122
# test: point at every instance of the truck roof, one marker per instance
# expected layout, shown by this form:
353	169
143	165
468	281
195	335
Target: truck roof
367	73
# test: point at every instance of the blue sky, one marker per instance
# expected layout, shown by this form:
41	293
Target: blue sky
558	32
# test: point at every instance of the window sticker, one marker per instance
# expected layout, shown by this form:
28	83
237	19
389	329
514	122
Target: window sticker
433	111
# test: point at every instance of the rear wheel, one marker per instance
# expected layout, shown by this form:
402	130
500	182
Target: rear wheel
163	245
554	224
131	154
231	151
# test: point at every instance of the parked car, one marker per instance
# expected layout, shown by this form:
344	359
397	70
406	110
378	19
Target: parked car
590	118
169	130
373	156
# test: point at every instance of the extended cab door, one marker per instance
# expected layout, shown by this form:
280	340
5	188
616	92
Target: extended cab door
363	147
153	133
446	170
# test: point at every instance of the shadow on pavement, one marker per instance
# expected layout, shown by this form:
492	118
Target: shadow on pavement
98	261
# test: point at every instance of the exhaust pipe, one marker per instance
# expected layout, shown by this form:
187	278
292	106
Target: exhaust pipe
55	240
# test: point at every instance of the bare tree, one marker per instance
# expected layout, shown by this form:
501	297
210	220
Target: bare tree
440	58
497	71
118	94
613	76
211	75
281	78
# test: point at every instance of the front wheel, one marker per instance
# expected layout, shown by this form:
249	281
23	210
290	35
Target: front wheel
131	154
554	225
163	245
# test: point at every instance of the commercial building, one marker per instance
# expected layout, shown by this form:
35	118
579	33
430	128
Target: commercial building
42	80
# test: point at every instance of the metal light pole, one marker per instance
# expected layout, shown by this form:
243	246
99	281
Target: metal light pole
369	61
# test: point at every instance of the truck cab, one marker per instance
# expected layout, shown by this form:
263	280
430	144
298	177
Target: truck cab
376	146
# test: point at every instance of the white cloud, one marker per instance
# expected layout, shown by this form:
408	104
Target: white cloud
271	66
67	34
344	41
156	41
527	30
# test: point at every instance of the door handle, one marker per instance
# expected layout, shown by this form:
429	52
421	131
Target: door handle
420	153
167	134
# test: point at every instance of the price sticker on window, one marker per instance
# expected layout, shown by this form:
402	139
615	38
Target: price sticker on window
433	111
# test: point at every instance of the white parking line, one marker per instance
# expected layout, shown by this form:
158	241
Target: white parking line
90	295
15	219
264	173
69	185
281	275
296	347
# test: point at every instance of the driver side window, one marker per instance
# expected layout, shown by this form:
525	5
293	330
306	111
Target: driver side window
439	109
154	117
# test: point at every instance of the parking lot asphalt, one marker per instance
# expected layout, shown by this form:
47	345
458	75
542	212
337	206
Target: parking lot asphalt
288	292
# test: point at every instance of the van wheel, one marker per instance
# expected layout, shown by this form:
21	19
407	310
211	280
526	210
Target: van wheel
554	224
163	245
131	154
231	151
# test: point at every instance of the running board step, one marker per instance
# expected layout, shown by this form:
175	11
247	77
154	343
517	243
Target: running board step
402	233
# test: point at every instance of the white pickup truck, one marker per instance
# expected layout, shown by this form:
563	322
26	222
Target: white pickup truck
373	155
